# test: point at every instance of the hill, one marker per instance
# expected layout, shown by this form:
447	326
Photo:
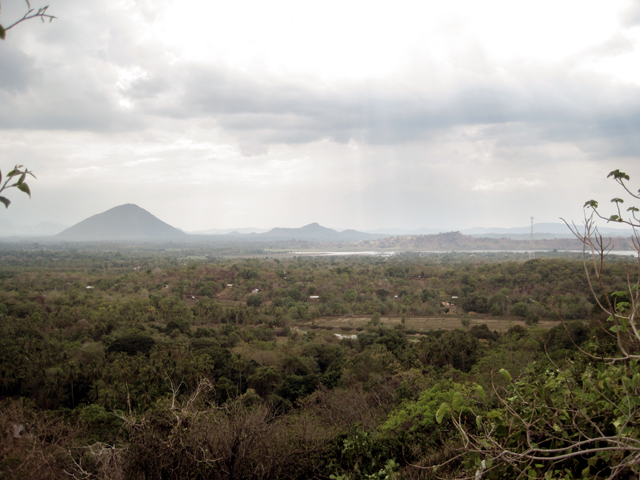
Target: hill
316	233
541	231
124	223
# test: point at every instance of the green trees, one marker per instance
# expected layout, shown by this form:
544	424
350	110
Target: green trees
572	420
475	303
171	384
520	309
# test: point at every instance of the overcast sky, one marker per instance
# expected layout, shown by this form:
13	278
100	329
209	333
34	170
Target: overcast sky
353	114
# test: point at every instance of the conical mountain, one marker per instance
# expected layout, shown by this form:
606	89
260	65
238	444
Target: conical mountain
124	223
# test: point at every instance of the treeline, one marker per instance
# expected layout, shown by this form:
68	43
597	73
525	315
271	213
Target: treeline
162	370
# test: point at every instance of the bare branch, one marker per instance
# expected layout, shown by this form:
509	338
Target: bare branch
31	13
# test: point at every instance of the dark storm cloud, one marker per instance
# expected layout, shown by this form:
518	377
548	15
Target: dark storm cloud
62	75
76	83
555	104
57	97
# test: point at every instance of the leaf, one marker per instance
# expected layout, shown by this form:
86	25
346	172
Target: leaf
457	401
444	408
2	32
633	209
480	392
15	171
23	187
506	375
614	218
591	203
617	200
6	201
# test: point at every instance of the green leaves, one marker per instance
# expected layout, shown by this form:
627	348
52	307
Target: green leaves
480	392
505	374
2	32
14	172
591	203
618	175
442	411
18	171
457	401
23	187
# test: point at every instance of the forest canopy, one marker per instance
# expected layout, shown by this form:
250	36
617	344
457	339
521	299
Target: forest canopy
139	362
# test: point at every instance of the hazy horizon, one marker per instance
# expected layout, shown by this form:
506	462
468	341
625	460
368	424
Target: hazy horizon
45	228
355	115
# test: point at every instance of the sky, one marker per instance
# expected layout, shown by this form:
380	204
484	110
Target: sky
353	114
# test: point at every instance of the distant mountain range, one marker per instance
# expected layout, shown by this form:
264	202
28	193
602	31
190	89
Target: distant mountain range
124	223
132	223
227	231
540	230
316	233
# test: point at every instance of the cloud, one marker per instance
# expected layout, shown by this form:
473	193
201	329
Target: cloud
64	75
457	122
631	16
508	184
17	70
142	161
619	44
101	71
267	109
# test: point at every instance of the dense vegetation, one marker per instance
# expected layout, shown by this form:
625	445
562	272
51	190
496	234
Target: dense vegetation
138	364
